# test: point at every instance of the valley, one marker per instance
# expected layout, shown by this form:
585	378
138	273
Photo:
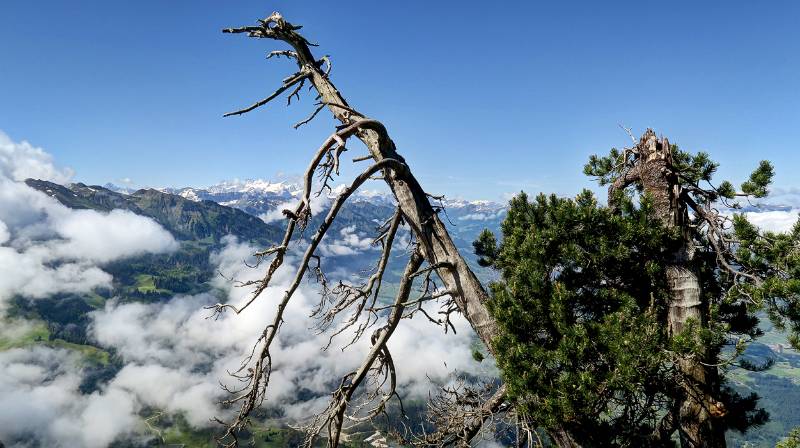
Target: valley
204	222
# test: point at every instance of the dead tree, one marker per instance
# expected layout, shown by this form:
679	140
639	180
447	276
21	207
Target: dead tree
457	288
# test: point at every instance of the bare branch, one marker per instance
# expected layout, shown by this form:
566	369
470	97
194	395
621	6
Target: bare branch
333	417
459	412
289	82
628	131
285	53
310	117
258	378
299	216
364	296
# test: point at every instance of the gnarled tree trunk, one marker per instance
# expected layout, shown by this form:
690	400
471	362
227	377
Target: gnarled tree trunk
698	412
438	247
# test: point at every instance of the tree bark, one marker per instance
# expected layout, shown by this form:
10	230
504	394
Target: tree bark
562	438
697	426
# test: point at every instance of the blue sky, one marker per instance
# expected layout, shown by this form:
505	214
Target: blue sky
482	98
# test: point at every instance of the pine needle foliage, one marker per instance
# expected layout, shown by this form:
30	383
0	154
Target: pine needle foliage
579	303
582	300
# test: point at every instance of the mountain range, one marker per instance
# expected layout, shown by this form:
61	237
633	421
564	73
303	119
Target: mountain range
251	211
365	209
200	219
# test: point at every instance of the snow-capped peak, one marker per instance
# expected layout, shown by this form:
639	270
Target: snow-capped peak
261	195
253	186
190	194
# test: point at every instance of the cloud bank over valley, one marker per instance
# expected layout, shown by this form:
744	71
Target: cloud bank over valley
171	356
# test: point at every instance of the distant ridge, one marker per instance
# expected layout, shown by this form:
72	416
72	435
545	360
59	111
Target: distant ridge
362	213
184	218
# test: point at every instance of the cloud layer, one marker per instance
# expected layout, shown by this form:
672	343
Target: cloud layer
775	220
177	337
174	357
47	248
20	161
41	403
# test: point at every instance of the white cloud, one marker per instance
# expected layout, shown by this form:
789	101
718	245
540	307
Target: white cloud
175	343
14	329
30	274
481	216
488	441
40	401
105	237
348	242
318	204
172	389
174	356
783	196
776	220
4	233
277	213
20	161
47	248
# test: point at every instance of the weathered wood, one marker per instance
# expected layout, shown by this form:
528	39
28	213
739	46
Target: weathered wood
437	245
698	408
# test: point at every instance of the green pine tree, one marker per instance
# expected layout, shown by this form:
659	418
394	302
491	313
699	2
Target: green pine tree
619	323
